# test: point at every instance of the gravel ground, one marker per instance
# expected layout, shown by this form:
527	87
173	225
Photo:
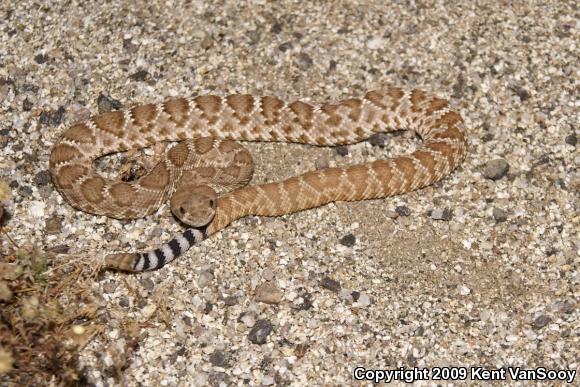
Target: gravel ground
479	270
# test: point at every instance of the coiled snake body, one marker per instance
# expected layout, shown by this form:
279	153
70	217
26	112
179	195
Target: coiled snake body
194	173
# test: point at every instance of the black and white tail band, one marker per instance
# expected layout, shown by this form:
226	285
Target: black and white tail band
155	259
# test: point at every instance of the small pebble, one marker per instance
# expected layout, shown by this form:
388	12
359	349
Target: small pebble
345	295
348	240
147	283
36	209
41	58
140	76
268	293
109	287
106	104
218	379
496	169
204	279
499	215
363	301
571	139
248	318
285	46
267	274
254	36
78	330
378	139
565	306
541	321
330	284
53	118
522	93
304	61
260	332
441	214
124	302
27	105
464	290
403	210
42	178
321	163
305	302
53	225
220	359
231	300
25	190
341	150
276	28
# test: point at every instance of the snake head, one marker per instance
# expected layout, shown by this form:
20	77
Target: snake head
194	206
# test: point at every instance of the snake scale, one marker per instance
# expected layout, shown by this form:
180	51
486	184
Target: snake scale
195	174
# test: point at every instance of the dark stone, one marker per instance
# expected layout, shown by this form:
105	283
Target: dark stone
27	105
220	359
276	28
254	36
52	118
306	303
442	214
487	137
109	287
403	210
25	190
499	215
305	61
124	302
285	46
522	93
355	295
53	225
330	284
231	300
541	321
348	240
217	378
41	58
129	46
378	139
565	306
341	150
571	139
332	65
106	104
29	87
140	76
42	178
182	351
260	331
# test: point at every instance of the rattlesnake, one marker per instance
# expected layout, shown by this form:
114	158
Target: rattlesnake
249	118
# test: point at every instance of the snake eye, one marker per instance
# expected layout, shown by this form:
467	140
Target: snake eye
211	202
181	210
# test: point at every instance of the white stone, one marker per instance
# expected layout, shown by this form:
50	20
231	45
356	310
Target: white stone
36	209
